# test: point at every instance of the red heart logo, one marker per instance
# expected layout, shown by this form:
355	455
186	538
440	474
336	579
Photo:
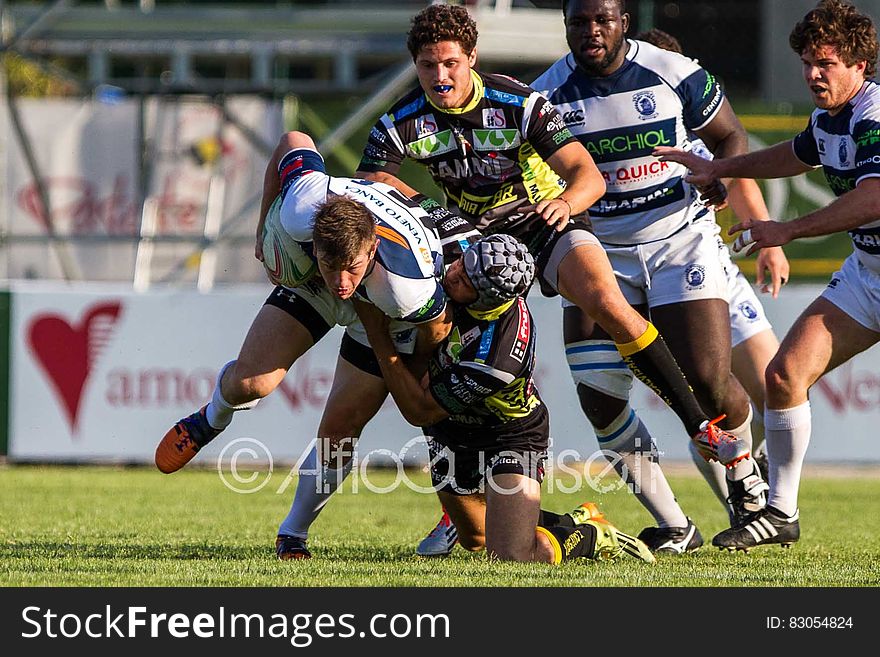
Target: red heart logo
67	353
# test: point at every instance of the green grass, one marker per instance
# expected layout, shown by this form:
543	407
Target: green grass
95	526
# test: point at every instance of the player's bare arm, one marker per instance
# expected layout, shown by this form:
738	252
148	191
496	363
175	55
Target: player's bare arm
777	161
585	185
848	212
416	404
388	179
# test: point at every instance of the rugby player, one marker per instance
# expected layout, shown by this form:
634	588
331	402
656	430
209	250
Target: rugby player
621	98
838	49
487	424
507	163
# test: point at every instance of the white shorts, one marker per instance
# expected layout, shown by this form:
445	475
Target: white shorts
747	316
855	289
683	267
335	311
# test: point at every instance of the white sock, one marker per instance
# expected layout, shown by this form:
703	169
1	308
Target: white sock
747	466
788	436
713	472
312	495
639	466
219	411
757	430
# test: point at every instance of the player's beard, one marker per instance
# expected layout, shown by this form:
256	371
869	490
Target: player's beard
598	68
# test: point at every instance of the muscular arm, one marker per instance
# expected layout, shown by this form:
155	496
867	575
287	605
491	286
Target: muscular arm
416	403
428	336
853	209
584	184
272	180
777	161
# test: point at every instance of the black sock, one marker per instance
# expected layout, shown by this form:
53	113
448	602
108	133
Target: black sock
654	365
548	519
573	542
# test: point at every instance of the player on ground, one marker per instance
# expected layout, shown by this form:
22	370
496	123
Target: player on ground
504	157
838	48
621	98
487	424
752	339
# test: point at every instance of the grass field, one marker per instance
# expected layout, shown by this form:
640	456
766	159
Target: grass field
104	526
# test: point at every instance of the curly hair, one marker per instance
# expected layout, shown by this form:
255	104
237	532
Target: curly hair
840	25
342	229
442	23
660	39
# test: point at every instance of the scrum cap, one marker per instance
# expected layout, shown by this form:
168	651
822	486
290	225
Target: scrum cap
500	268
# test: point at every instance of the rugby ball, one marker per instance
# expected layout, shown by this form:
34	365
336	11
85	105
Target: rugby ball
285	260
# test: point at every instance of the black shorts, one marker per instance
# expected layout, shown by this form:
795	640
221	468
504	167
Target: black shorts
460	469
301	310
359	355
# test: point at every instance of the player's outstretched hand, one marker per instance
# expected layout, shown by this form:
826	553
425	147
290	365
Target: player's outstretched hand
756	235
714	195
702	171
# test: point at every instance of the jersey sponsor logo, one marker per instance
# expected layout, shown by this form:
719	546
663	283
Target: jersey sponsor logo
485	343
546	108
493	168
524	330
747	310
646	104
493	117
874	159
496	140
562	135
476	386
624	204
432	145
867	240
710	82
841	152
840	184
426	125
820	146
555	124
383	209
695	277
716	100
377	135
636	172
631	142
573	117
868	138
504	97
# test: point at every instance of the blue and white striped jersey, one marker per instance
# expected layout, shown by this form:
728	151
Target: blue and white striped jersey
653	99
405	281
847	147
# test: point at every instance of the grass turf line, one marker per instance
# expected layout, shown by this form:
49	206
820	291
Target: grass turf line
103	526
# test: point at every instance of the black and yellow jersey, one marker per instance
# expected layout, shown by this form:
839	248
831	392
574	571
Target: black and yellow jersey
482	372
489	157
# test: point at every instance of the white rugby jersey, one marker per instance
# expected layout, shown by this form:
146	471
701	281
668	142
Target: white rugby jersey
847	147
405	281
652	100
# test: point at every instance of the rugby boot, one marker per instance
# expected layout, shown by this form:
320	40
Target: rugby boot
765	527
672	540
441	540
611	543
716	444
291	547
183	441
746	496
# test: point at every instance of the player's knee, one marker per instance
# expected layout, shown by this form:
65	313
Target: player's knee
779	378
342	425
294	139
239	386
602	378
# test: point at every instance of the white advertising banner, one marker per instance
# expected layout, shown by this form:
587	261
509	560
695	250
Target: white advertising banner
101	373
